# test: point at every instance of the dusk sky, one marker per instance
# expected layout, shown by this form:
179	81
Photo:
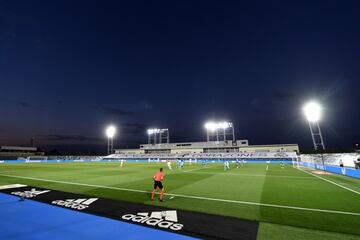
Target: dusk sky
70	68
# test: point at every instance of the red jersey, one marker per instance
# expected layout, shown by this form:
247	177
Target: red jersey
158	176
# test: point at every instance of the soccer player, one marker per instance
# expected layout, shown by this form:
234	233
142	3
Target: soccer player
158	177
282	165
237	163
203	162
227	165
341	163
169	164
206	162
267	165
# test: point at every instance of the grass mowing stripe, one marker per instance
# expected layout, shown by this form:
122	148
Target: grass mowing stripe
198	169
329	181
189	196
74	183
246	175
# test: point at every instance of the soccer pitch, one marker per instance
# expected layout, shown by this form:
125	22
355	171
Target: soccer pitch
289	203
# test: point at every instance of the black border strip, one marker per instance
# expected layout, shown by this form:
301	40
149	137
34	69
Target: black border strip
200	225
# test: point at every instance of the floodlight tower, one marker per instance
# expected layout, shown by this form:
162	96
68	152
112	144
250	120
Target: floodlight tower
164	135
160	134
210	127
312	111
110	133
213	128
225	126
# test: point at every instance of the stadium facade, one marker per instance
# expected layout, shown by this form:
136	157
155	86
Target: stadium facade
238	146
15	152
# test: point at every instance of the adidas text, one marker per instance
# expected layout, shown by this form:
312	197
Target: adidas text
153	221
78	204
30	194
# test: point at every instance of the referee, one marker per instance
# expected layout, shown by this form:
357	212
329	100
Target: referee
158	177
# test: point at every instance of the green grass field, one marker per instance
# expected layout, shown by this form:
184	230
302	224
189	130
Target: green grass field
289	203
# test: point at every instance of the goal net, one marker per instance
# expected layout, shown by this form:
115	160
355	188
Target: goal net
310	162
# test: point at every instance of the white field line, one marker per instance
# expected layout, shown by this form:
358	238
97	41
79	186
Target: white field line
329	181
191	197
248	175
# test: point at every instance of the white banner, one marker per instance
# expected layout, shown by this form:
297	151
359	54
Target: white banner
255	155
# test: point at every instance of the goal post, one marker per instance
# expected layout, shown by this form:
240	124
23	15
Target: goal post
306	162
295	162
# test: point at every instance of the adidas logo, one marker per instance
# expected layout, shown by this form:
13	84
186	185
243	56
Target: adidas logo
78	204
30	194
163	219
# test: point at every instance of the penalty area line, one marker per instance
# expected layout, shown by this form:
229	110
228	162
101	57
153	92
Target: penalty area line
189	196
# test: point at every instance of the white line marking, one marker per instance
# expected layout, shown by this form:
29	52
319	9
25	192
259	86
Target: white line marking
78	184
329	181
191	197
12	186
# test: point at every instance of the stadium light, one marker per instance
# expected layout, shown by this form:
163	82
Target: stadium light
212	127
153	130
224	125
161	133
312	111
110	133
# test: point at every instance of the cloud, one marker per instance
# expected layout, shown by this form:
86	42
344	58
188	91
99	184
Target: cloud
24	104
74	138
134	125
282	95
133	128
144	106
114	110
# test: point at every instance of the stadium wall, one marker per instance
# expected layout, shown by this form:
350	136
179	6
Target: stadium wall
15	152
189	150
130	151
350	172
213	147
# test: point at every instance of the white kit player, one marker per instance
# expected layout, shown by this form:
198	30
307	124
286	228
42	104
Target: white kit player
121	162
169	164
